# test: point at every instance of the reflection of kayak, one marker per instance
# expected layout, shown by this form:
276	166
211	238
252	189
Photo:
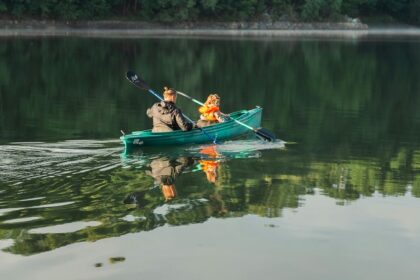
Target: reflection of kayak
221	131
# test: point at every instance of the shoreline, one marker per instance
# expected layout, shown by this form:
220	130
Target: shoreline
137	29
351	24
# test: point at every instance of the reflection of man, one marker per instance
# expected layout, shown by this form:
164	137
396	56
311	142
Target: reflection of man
165	171
169	191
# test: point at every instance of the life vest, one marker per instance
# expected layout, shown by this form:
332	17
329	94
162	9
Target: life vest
209	113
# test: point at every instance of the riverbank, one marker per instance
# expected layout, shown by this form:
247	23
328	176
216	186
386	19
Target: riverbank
350	28
350	24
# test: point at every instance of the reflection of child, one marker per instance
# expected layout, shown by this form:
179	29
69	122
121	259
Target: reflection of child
210	111
210	166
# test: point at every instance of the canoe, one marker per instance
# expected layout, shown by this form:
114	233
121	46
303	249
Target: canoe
221	131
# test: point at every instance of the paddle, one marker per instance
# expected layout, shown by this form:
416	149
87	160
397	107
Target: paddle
261	132
140	83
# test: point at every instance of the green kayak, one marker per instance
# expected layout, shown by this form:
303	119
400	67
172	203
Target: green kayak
221	131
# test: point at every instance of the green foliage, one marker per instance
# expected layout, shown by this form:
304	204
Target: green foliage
207	8
316	10
312	9
169	10
95	8
246	8
394	6
356	8
67	9
190	10
208	4
175	10
236	10
278	8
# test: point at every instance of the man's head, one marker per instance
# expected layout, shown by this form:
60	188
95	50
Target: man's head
169	94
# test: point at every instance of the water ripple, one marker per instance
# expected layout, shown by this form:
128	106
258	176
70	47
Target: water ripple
23	161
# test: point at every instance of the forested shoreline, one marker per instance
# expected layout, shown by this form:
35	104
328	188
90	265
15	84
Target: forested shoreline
175	11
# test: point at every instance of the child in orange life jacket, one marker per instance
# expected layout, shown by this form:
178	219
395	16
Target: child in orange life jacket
210	111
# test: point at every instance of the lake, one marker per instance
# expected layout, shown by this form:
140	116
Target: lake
337	196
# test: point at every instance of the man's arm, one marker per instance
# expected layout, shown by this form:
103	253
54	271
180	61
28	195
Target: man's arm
182	122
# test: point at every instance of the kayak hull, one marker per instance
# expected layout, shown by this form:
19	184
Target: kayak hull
221	131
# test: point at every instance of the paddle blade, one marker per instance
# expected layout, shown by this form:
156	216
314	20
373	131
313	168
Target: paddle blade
264	134
135	79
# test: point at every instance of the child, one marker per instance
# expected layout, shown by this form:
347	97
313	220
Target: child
210	111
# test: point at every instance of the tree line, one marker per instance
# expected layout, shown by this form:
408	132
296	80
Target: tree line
169	11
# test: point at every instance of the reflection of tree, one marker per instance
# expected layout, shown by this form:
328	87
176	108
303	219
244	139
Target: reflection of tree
264	186
347	180
318	85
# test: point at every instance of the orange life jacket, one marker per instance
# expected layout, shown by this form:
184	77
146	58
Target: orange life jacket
209	113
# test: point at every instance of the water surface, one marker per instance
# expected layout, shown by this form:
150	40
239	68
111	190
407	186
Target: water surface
335	197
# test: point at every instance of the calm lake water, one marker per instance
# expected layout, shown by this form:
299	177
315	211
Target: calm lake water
336	197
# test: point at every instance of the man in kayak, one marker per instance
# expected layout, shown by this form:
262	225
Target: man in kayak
166	116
